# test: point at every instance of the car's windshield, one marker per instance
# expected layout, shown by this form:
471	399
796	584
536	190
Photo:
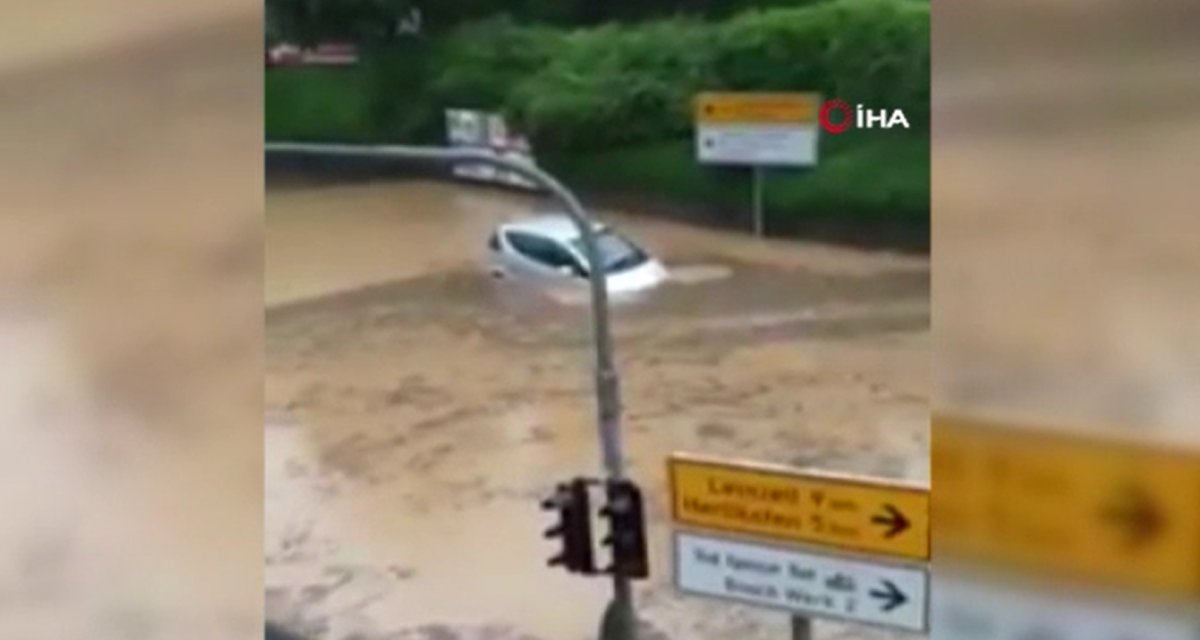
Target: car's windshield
616	253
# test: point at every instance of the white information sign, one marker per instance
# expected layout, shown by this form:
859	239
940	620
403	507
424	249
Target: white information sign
963	609
802	582
757	144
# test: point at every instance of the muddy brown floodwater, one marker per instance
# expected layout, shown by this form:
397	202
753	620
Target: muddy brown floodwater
418	410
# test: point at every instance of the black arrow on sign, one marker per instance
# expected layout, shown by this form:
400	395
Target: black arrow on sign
1136	515
890	595
895	521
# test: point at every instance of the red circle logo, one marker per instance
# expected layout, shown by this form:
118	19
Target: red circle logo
836	105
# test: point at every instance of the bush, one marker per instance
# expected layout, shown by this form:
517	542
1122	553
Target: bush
880	56
859	175
612	86
408	85
316	104
775	51
874	52
615	85
479	64
399	109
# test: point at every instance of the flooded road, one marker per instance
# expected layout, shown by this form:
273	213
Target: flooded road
418	410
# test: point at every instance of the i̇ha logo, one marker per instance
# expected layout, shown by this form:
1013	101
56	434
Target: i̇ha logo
837	116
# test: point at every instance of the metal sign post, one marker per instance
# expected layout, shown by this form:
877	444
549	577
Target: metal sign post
619	622
758	199
801	628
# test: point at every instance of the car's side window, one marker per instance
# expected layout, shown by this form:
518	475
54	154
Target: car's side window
525	244
542	250
558	256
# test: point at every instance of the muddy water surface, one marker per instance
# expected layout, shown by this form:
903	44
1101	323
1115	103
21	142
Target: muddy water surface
418	410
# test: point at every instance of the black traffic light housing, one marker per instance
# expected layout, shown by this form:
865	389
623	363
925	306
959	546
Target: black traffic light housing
627	529
574	526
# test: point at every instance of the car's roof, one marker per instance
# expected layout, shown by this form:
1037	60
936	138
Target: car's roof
557	226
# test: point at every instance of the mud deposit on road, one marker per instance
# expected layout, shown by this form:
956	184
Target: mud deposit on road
418	410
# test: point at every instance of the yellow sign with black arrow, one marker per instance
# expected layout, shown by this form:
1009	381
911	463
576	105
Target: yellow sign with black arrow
757	108
866	515
1119	514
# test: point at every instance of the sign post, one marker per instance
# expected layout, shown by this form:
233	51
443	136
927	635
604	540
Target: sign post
801	628
758	200
758	130
811	543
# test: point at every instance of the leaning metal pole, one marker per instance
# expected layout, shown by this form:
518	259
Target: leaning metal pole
619	622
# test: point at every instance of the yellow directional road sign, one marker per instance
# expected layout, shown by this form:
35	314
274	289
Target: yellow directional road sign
1122	515
865	515
757	108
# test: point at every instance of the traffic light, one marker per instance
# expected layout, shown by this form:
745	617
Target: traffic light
626	530
574	527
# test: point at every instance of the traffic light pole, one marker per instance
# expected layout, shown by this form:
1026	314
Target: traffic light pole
619	622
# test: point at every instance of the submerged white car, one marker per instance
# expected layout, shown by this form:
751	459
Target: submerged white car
548	249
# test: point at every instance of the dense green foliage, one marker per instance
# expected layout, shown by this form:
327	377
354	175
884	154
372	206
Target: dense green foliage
480	64
617	85
613	86
612	105
369	20
316	104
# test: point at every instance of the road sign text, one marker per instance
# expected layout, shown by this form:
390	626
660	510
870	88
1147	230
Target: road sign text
1103	512
863	515
801	581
